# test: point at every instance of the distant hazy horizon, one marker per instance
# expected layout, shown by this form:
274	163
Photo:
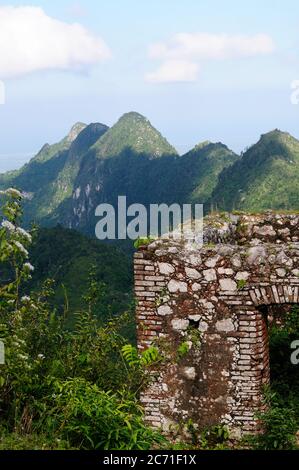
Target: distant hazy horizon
12	161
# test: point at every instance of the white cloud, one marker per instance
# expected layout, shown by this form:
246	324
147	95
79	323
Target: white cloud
30	41
191	49
174	71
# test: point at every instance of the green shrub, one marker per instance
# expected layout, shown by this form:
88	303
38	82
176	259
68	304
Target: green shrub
214	438
143	241
281	421
279	429
182	350
241	283
90	418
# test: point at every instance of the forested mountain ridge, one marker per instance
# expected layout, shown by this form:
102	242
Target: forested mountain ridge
93	164
66	181
48	177
265	177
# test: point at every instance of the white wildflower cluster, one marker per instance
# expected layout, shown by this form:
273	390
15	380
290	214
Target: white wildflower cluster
24	234
28	302
28	267
41	356
8	225
13	193
21	248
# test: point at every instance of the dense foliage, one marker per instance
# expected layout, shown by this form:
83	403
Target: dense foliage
75	261
72	388
281	421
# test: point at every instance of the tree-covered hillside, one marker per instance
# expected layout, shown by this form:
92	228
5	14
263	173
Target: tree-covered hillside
73	261
266	177
47	180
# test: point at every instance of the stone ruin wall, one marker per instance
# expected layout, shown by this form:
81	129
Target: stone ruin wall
212	299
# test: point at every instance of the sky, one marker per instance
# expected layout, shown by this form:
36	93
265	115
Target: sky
198	69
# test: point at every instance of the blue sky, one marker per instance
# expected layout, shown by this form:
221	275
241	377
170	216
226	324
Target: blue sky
221	71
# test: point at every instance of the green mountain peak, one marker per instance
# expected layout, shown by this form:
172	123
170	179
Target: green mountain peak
133	115
75	131
201	145
135	132
49	177
278	135
265	177
50	151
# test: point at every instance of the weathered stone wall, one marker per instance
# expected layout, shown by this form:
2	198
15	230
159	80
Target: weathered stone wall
211	300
